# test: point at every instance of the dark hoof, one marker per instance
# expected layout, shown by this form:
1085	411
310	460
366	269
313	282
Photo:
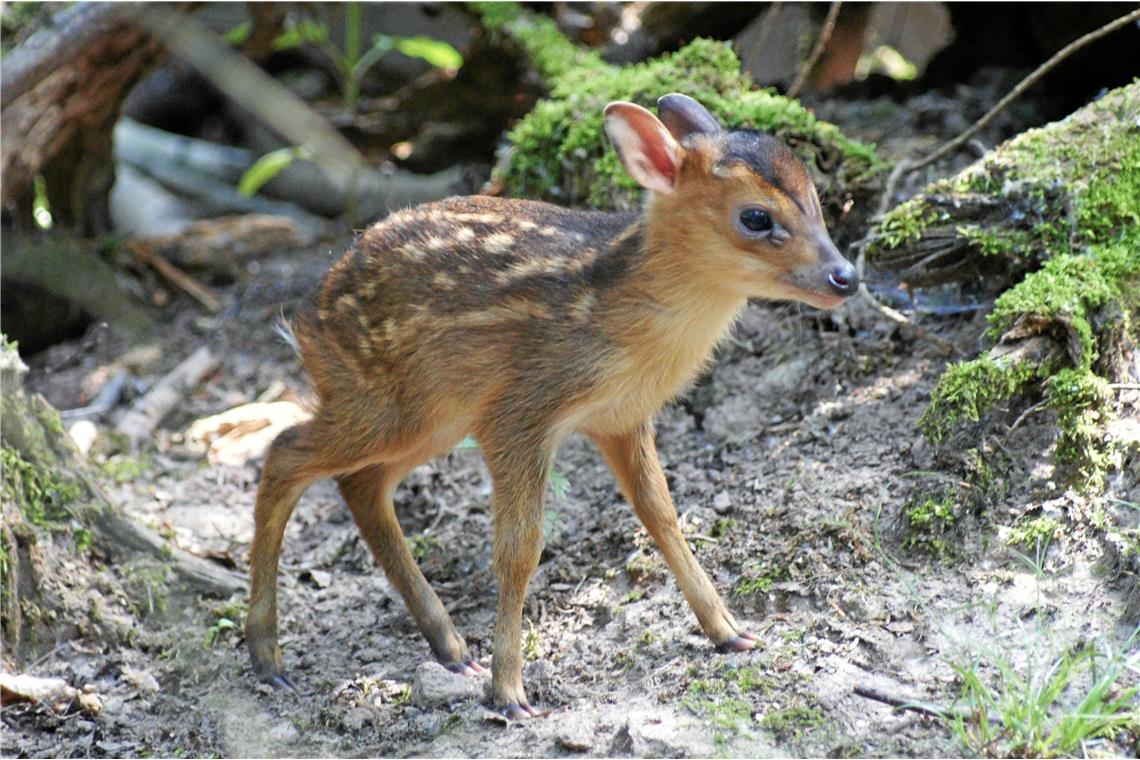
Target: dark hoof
741	643
281	682
521	712
465	668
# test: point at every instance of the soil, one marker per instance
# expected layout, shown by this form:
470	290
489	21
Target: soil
794	463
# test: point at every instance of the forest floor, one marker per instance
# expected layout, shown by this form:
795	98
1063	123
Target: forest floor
859	555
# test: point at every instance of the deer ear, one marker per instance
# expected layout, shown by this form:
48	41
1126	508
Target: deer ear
646	149
684	116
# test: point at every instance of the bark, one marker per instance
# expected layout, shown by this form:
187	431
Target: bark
62	91
49	501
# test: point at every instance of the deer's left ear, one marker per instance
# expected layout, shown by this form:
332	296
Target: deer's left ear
684	116
646	148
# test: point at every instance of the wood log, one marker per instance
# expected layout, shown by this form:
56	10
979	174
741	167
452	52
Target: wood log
142	418
50	502
61	94
1047	192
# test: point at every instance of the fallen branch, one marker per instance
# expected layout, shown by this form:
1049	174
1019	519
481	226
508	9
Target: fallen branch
104	401
907	166
197	167
141	420
816	51
922	708
184	282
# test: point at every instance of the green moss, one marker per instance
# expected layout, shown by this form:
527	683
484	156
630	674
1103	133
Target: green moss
1068	289
969	389
1045	193
759	579
905	224
42	498
792	722
1083	403
1031	533
123	468
559	151
928	521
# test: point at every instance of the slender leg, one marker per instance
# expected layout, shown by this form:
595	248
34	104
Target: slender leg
519	469
633	457
368	493
295	460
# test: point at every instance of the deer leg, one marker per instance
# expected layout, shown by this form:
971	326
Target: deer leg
633	458
296	458
519	467
368	493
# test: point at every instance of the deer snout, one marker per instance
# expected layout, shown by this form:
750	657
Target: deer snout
843	279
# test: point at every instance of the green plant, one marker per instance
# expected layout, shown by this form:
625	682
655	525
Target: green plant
352	63
1046	711
421	543
269	166
215	632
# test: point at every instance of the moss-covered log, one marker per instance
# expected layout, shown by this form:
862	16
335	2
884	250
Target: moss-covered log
54	514
558	152
1045	193
1063	204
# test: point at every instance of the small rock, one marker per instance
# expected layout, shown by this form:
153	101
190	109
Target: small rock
722	502
575	739
141	680
83	433
284	732
435	685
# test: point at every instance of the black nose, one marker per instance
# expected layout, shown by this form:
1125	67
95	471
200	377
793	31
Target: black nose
843	279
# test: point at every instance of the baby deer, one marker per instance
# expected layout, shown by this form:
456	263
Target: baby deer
522	322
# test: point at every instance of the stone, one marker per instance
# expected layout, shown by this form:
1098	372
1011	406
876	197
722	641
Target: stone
435	685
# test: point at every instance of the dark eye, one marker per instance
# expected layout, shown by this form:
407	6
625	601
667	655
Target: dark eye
755	219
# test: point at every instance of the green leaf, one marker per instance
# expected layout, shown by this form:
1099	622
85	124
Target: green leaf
267	167
468	442
436	52
558	483
239	33
302	33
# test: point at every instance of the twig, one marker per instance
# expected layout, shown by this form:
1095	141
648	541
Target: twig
909	165
817	51
923	708
945	347
1124	386
104	401
196	290
148	411
1021	417
1026	83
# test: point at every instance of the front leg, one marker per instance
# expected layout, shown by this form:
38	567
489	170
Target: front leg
519	465
633	457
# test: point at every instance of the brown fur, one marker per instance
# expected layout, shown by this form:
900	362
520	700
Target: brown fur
522	322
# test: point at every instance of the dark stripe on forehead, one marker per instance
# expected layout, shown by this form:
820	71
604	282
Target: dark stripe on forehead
767	157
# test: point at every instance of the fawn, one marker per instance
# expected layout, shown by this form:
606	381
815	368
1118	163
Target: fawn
521	322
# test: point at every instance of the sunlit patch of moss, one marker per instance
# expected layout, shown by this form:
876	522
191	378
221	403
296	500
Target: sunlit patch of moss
1068	289
1047	192
906	224
759	580
792	722
1031	533
1084	407
970	389
559	151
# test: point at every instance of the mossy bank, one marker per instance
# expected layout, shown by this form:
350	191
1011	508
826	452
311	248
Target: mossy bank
559	151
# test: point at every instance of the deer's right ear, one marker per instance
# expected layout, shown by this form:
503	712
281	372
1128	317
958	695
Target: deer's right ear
646	148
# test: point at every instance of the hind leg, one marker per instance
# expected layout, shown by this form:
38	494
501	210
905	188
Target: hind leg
368	493
298	456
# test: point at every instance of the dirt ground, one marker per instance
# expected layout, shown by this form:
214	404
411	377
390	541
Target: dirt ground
796	467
